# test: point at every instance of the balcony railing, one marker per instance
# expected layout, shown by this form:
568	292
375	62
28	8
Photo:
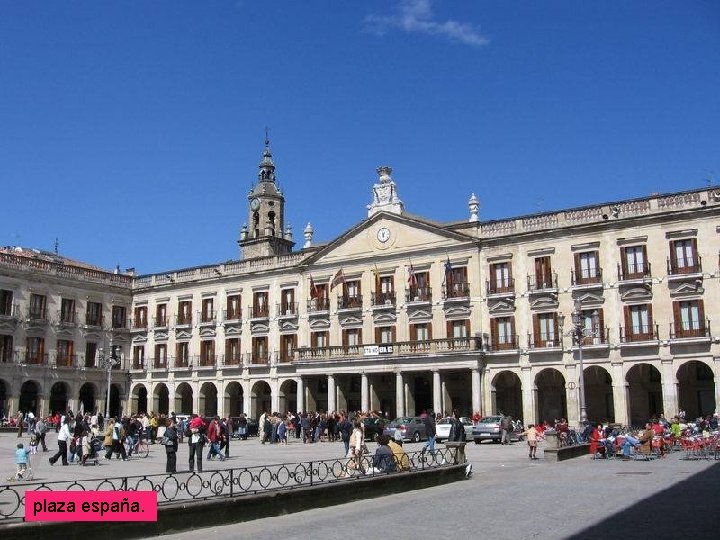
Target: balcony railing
702	331
287	309
506	286
207	361
586	277
634	271
137	363
544	340
232	315
93	319
120	323
67	360
258	359
542	283
679	267
182	362
68	318
506	343
138	324
599	338
457	290
159	364
207	317
401	348
160	322
383	299
418	294
10	311
315	305
232	360
639	334
35	359
37	315
183	320
350	302
260	311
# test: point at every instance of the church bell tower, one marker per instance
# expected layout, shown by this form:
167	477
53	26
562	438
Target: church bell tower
264	234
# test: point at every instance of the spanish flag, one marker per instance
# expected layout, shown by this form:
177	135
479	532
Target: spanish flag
338	279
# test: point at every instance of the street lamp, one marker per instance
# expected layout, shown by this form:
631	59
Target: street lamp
578	331
108	363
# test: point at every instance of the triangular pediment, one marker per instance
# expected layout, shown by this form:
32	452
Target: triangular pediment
183	334
384	318
388	233
351	320
161	336
208	332
319	324
543	302
233	331
686	288
503	305
420	315
65	333
637	293
287	326
141	338
457	312
259	328
590	298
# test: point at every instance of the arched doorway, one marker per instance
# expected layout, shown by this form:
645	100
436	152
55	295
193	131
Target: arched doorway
59	397
139	398
3	397
599	394
115	408
260	399
696	390
287	398
551	396
507	394
208	399
184	399
161	399
29	397
86	398
644	393
233	399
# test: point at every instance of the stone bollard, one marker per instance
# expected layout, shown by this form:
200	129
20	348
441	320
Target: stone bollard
457	451
552	442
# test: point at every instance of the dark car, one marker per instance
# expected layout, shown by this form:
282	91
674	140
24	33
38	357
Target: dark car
373	427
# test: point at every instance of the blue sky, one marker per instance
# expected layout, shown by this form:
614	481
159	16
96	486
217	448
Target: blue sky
131	131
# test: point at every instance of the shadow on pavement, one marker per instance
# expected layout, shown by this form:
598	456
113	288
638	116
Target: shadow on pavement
685	509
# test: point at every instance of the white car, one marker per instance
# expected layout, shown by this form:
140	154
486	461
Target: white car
442	428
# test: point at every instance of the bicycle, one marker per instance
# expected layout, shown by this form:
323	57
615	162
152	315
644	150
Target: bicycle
137	448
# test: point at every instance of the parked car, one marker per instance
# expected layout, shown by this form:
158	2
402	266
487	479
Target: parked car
442	428
411	428
488	428
374	427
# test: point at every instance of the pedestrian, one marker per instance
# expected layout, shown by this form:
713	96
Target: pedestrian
171	446
226	433
532	437
118	436
64	436
196	441
40	431
344	428
21	462
214	435
505	426
430	431
108	437
19	420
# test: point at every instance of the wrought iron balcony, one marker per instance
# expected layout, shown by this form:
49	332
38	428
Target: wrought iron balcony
586	277
183	320
159	364
680	267
181	363
350	302
258	359
94	319
506	286
207	361
232	360
634	271
316	305
137	364
139	324
460	289
260	311
120	323
418	294
537	283
383	299
35	359
544	340
287	309
639	334
207	317
67	318
702	331
37	315
9	311
67	360
160	322
232	315
400	348
504	343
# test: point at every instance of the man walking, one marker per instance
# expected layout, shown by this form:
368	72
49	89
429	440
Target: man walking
40	431
64	436
429	421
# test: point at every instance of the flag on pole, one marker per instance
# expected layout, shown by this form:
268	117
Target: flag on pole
338	279
448	275
378	284
314	293
412	278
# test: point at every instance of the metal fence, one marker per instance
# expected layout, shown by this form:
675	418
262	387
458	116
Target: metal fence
240	481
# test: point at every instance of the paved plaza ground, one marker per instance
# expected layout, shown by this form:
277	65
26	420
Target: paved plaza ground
508	496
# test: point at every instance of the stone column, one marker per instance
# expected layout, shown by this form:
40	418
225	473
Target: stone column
300	394
332	393
447	406
364	393
437	392
247	400
490	402
670	403
476	390
526	377
399	394
275	395
572	394
196	398
619	394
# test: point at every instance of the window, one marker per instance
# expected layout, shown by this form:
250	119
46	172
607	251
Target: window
67	311
6	303
319	300
184	312
182	354
634	262
689	318
207	353
502	333
90	353
260	350
65	351
118	317
593	326
319	340
233	307
384	334
456	283
140	320
160	355
638	322
161	315
352	337
501	278
683	257
138	357
421	332
545	330
287	305
458	329
232	352
351	298
94	314
420	291
35	353
6	349
208	310
384	290
288	344
260	304
37	307
543	273
586	268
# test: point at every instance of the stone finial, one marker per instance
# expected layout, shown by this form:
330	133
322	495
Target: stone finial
474	206
288	233
244	232
385	196
384	173
308	233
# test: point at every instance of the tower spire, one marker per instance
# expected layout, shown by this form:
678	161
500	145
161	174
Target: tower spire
267	167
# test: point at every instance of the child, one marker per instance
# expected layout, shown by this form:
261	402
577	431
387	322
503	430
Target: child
33	445
86	450
21	460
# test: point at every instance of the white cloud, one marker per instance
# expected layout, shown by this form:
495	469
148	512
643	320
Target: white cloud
417	16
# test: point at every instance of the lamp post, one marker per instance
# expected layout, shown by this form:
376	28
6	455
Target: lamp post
108	363
577	332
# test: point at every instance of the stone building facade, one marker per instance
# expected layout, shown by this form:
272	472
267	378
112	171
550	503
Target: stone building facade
400	314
